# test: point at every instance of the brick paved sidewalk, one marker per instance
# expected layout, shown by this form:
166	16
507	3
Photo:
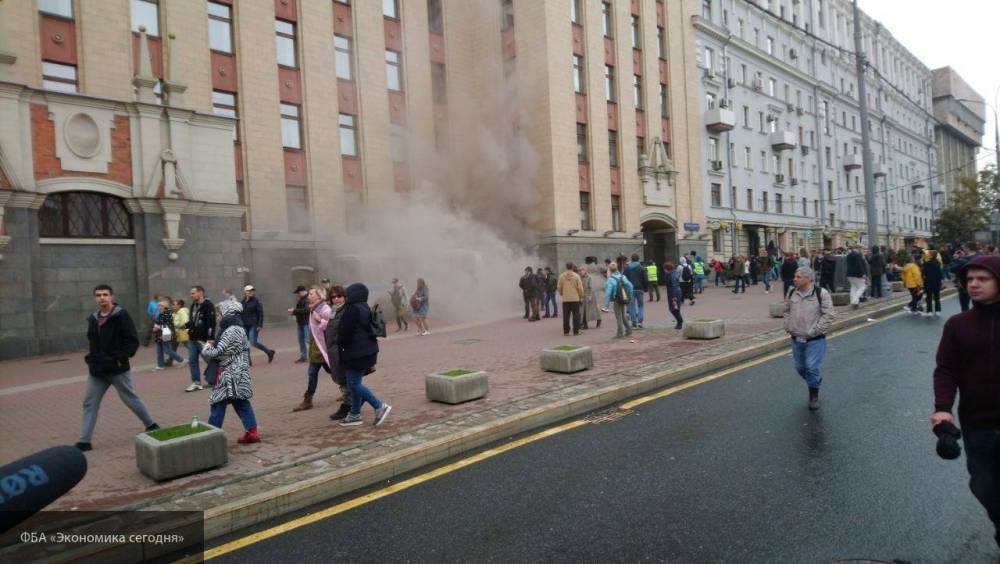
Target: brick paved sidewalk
40	398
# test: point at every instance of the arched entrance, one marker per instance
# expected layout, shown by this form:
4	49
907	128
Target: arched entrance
659	233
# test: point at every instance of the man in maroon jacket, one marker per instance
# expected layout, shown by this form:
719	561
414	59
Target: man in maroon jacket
968	360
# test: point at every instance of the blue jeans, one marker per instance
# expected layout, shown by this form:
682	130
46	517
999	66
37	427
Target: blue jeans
313	371
252	332
194	352
359	392
164	347
636	309
740	285
302	332
243	410
720	277
808	357
982	454
699	280
767	280
551	297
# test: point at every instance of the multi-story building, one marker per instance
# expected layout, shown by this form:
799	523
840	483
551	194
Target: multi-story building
782	149
961	120
154	145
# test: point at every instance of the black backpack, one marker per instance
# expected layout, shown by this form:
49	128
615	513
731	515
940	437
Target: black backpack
621	292
376	322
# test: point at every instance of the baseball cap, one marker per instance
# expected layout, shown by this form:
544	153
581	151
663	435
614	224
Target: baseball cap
247	288
324	280
299	289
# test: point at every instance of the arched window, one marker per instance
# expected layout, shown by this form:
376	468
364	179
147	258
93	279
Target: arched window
84	214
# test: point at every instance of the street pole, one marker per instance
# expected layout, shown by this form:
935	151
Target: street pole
866	152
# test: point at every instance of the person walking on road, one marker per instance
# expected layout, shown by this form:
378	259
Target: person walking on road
113	340
719	271
808	316
319	316
876	266
359	352
739	279
675	298
538	295
856	271
301	313
570	289
253	320
397	295
913	281
619	290
164	332
232	383
338	298
636	274
652	277
201	328
591	310
152	311
967	362
420	303
931	270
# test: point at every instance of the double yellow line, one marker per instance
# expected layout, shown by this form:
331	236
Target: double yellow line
479	457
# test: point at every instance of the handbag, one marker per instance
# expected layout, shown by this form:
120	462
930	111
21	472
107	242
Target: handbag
166	334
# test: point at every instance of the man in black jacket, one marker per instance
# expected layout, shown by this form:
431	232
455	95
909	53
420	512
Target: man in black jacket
876	265
113	340
527	285
827	270
201	328
253	320
856	272
301	313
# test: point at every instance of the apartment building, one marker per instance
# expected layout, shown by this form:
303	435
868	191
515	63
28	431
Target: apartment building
782	143
156	144
961	121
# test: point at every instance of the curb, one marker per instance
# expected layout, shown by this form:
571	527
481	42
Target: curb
277	500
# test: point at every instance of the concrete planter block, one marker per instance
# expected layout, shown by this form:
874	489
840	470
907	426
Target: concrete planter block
162	460
777	309
898	287
704	329
567	359
840	298
451	387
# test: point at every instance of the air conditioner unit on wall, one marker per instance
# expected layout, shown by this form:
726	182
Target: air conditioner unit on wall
716	165
757	85
795	182
799	110
731	82
779	178
793	53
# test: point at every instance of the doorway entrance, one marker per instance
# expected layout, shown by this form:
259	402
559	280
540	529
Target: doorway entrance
660	242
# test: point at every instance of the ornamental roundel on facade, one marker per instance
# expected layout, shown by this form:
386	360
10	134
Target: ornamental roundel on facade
82	135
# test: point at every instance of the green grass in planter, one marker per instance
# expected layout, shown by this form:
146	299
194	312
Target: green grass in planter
457	372
178	431
565	348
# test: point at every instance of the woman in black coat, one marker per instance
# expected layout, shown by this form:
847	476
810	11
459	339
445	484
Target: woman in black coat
358	352
931	270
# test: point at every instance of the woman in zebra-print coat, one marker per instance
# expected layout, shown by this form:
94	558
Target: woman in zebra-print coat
232	383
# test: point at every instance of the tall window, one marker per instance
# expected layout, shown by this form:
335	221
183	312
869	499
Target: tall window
393	70
732	198
348	136
779	203
576	11
342	49
607	20
770	45
224	104
709	60
764	203
297	203
747	159
61	8
146	13
435	24
750	198
84	214
613	148
285	41
578	81
390	8
713	148
661	43
506	14
220	27
291	130
716	194
616	213
637	91
59	77
609	83
581	142
439	83
636	34
664	105
584	211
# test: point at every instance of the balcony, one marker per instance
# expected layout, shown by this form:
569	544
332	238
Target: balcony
879	170
918	185
720	119
783	140
853	162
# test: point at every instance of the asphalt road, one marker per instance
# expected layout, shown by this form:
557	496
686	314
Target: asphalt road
734	470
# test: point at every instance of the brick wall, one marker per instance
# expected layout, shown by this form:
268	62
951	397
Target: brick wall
47	165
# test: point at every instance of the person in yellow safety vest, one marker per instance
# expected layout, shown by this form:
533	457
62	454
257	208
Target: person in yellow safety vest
654	285
699	274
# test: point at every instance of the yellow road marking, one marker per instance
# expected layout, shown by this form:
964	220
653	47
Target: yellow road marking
479	457
368	498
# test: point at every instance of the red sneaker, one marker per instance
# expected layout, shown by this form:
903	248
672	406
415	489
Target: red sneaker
251	436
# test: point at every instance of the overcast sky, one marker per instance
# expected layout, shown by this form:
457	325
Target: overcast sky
962	34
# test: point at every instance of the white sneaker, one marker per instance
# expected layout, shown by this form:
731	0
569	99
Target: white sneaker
194	387
426	333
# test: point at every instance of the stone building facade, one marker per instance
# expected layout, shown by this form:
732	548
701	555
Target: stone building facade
782	139
961	120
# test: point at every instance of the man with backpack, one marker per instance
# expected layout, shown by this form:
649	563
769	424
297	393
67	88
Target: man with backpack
619	290
551	282
808	316
636	274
